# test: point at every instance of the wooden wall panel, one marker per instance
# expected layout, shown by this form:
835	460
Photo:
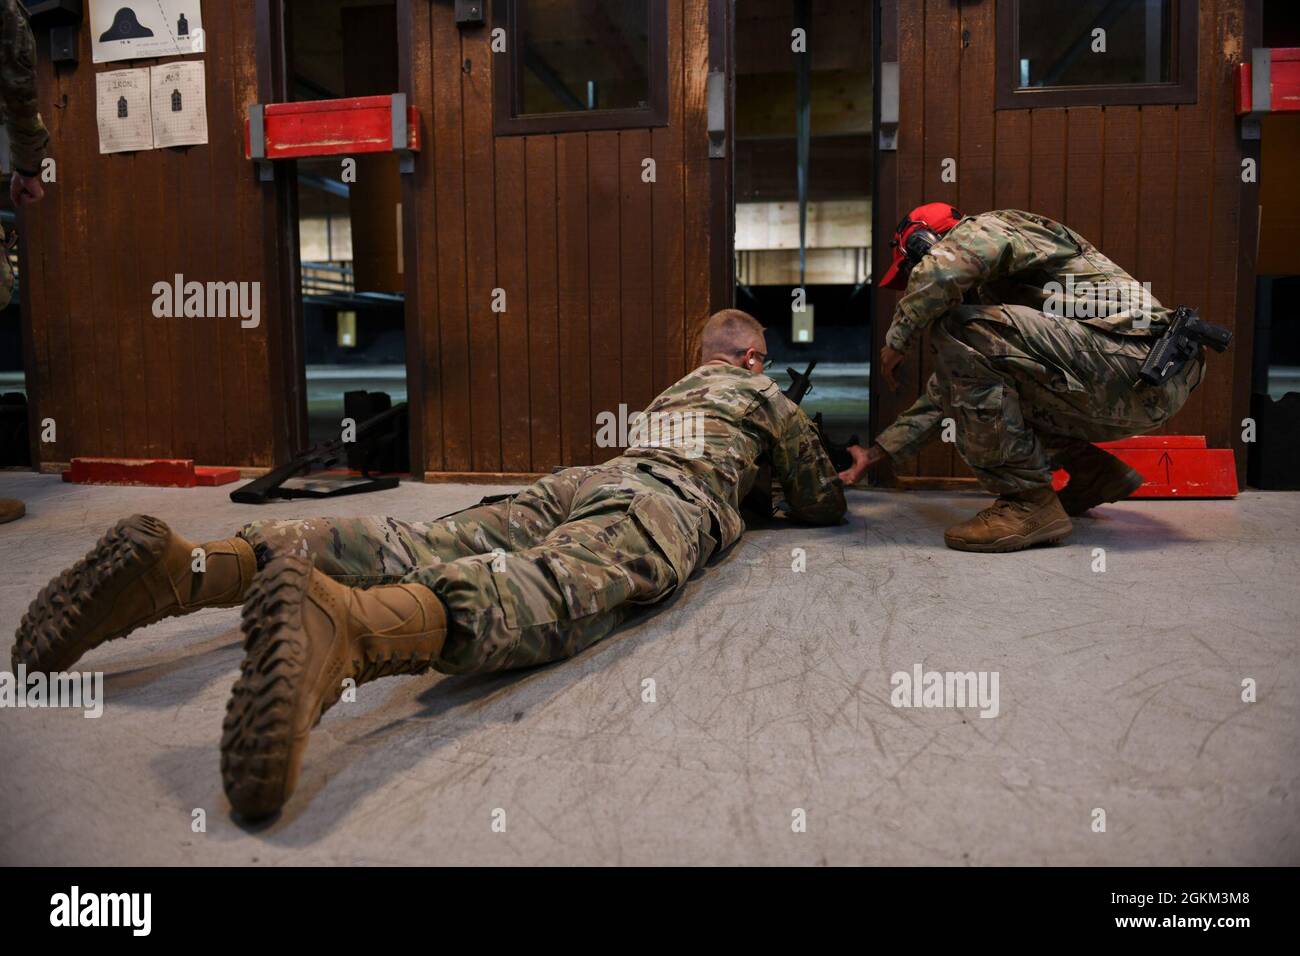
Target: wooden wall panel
512	276
668	338
543	403
606	275
452	309
1157	187
1118	235
480	264
696	172
419	213
574	312
116	379
636	269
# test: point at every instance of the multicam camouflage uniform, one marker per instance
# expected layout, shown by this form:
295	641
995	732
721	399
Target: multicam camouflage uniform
27	135
1038	340
546	572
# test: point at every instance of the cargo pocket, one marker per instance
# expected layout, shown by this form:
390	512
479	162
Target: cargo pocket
566	582
977	407
675	527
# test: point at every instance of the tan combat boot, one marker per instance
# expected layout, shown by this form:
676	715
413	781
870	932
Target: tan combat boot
304	634
1096	477
140	572
11	509
1013	522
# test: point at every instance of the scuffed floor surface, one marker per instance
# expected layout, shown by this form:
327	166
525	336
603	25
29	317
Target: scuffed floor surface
1119	691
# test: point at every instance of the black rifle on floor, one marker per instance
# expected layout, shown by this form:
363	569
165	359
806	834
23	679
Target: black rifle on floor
378	445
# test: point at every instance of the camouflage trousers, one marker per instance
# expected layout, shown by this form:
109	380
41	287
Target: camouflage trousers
535	577
1024	388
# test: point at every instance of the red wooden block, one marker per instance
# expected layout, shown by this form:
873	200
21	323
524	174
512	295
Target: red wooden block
1179	466
166	472
342	127
207	477
1283	82
1154	441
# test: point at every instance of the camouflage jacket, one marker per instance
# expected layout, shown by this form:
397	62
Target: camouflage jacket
27	135
1009	257
711	428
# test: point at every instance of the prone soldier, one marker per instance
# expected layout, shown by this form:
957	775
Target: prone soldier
511	583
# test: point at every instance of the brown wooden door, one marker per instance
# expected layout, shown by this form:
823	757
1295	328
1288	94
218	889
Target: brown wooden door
606	278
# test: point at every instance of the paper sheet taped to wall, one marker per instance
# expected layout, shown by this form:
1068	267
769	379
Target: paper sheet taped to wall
122	108
180	114
152	107
135	29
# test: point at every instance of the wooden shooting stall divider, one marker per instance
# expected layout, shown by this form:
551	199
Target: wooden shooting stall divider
1159	188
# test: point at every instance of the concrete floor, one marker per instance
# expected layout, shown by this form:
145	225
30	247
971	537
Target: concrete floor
1118	690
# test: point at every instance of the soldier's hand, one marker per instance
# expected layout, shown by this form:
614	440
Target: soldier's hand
24	190
863	459
890	359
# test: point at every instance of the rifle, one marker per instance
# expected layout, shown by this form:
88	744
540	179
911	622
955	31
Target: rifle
759	497
376	436
800	385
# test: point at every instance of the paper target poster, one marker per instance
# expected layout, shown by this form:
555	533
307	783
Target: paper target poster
134	29
180	113
122	109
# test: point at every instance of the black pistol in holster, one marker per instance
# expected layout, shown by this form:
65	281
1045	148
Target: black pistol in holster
1180	344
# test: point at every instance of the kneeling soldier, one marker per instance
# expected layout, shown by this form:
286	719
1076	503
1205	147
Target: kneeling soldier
533	578
1038	342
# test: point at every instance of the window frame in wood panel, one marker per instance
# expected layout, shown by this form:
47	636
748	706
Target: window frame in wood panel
1181	89
508	67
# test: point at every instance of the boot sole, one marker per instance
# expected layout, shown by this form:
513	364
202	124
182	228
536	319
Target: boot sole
59	626
1048	534
259	755
1131	484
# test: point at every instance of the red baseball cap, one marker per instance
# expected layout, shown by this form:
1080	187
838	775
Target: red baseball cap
939	216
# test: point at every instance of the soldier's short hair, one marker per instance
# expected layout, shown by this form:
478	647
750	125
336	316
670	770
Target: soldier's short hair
729	332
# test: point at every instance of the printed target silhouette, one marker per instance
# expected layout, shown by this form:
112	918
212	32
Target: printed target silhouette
125	27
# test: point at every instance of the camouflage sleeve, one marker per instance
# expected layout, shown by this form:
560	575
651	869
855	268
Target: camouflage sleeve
809	482
975	251
27	135
916	427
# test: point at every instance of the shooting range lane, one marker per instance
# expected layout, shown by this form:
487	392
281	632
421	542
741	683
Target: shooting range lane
772	693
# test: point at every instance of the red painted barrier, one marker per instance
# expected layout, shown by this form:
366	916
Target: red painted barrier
341	127
151	472
1173	466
